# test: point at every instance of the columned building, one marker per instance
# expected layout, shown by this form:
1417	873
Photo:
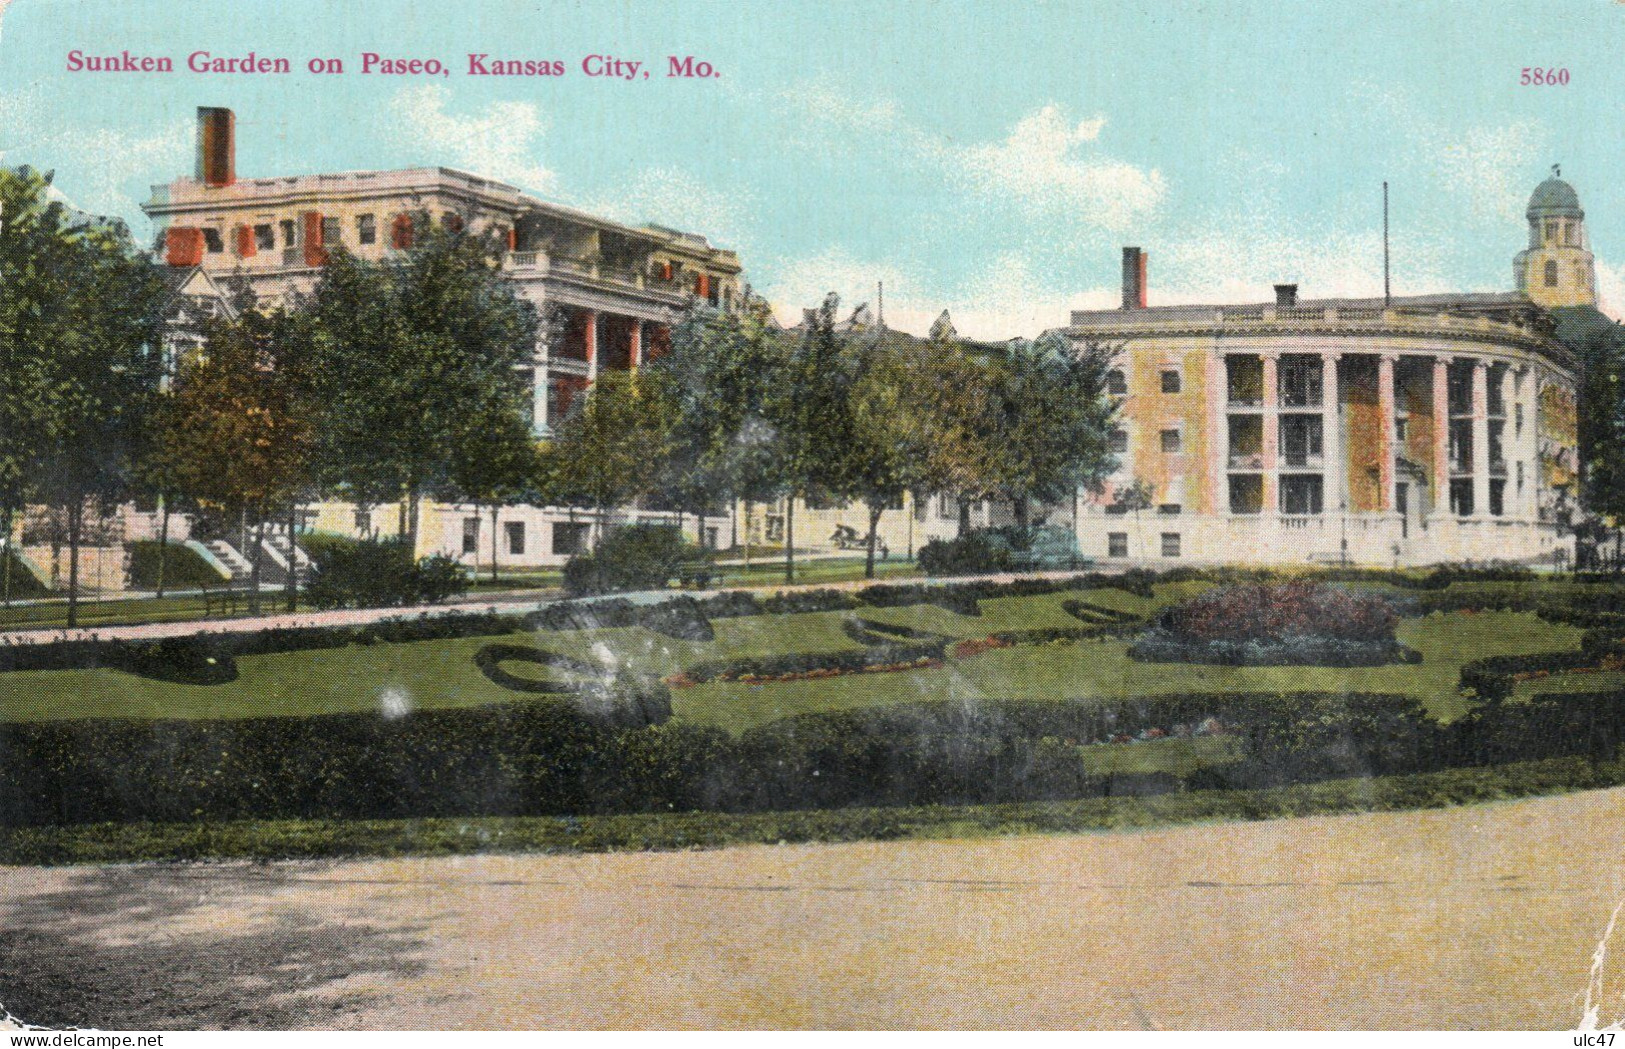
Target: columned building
608	293
1415	430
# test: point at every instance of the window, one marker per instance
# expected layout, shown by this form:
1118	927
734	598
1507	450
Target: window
1461	497
212	241
1116	544
1170	381
568	537
1170	441
1498	495
516	537
1169	509
1170	544
330	231
711	535
1301	494
1118	442
471	535
1551	273
366	229
1116	383
1520	475
264	237
290	233
1246	493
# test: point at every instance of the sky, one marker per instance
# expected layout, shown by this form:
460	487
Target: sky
990	158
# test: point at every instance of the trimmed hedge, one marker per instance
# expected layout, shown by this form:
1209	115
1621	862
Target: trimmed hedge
184	568
550	757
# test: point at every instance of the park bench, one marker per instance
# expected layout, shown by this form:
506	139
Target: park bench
698	574
223	599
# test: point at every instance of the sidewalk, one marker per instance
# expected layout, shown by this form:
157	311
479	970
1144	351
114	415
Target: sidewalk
501	604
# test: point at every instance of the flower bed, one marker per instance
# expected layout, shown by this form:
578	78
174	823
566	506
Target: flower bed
1291	624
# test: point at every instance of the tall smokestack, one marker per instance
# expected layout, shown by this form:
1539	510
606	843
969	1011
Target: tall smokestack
1286	295
216	146
1134	284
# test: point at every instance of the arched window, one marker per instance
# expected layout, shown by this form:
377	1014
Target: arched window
1116	383
1551	273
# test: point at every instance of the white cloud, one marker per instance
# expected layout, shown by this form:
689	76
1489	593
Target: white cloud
1005	299
1244	259
670	197
1486	166
97	166
502	141
1044	165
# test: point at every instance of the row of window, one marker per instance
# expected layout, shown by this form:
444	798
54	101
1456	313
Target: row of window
569	537
1117	382
1117	544
1172	441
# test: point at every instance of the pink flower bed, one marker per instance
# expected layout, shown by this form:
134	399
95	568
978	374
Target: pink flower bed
1267	613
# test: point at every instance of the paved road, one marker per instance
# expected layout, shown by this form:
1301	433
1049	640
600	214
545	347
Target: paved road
1484	917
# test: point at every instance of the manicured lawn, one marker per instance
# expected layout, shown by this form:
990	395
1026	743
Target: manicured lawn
442	674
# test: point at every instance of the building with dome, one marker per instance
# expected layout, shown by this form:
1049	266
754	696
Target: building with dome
1401	431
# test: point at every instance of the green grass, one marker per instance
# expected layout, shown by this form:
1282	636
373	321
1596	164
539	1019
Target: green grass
438	674
319	839
1177	757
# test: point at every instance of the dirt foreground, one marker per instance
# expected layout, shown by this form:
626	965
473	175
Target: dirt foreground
1484	917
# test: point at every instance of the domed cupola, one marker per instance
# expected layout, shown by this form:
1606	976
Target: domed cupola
1557	269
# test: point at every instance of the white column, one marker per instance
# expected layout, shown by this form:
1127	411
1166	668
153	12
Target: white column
1331	437
1441	436
1481	439
591	340
540	424
1272	435
1385	431
1529	441
1218	429
637	344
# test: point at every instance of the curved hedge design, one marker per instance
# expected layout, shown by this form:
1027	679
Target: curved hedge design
490	658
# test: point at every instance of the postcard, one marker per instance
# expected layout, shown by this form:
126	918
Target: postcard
907	516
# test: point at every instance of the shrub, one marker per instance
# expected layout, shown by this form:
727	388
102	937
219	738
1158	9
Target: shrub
796	601
636	557
183	567
380	574
680	618
983	550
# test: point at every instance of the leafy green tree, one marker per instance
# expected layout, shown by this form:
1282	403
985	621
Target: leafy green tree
894	426
1050	423
810	411
79	359
610	448
715	384
493	462
236	431
404	347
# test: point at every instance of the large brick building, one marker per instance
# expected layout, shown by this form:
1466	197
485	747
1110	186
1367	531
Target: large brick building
620	289
1413	430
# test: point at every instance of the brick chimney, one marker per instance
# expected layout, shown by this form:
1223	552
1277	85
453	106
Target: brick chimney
1134	278
1286	295
216	146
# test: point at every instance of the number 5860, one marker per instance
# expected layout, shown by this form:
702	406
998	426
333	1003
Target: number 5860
1538	77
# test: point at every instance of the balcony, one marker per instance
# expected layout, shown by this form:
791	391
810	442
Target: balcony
580	268
1303	460
1246	461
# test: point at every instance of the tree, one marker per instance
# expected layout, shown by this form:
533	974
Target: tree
809	409
1050	422
237	431
611	446
79	326
894	426
405	347
493	462
716	383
